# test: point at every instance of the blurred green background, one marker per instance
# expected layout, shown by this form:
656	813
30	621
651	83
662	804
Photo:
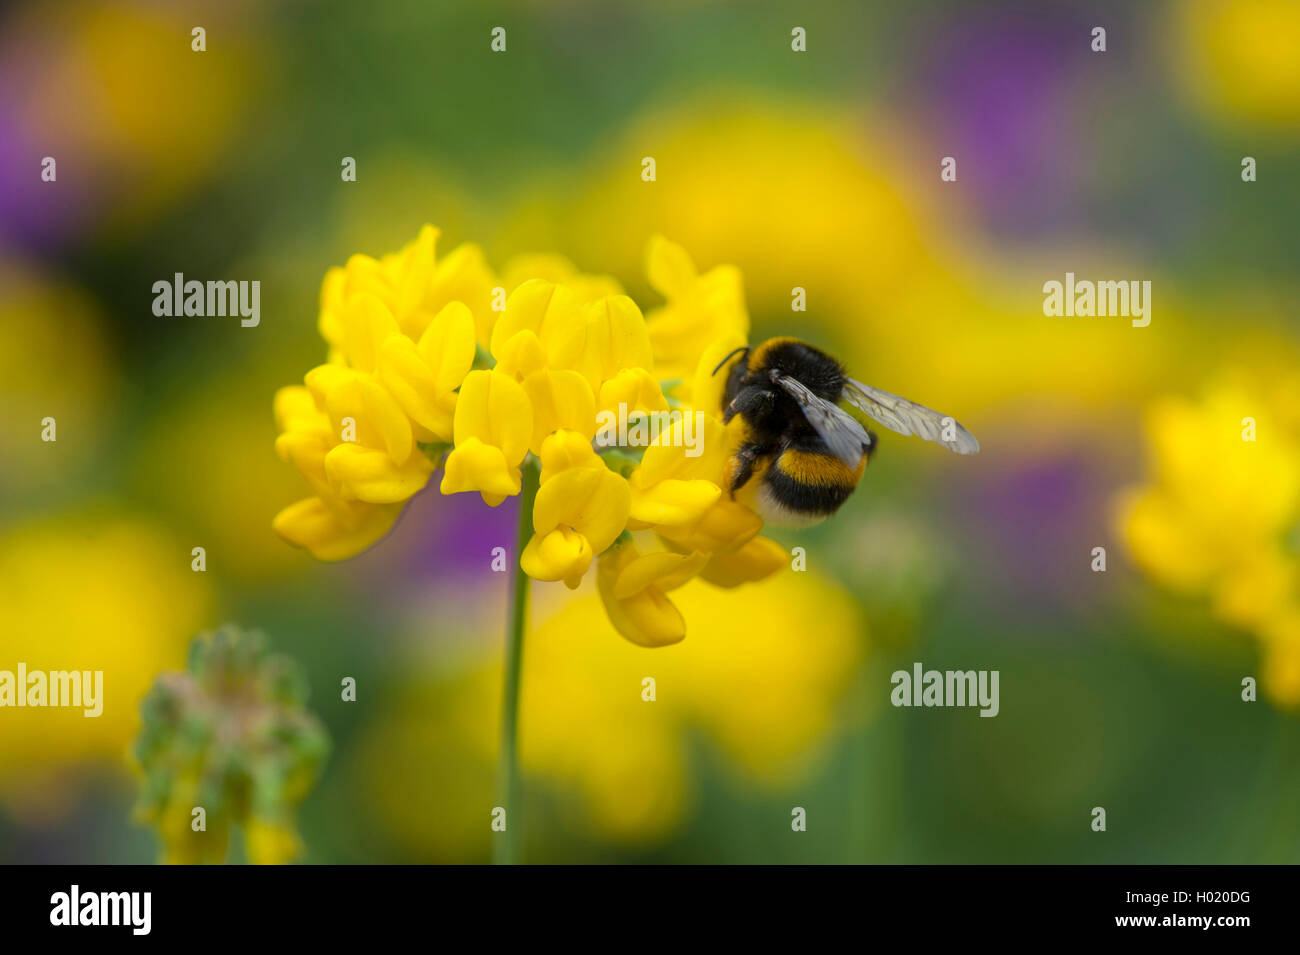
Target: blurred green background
816	169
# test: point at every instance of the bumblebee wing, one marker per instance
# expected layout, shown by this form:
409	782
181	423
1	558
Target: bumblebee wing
842	432
907	417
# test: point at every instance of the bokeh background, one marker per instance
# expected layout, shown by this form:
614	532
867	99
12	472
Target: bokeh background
1119	689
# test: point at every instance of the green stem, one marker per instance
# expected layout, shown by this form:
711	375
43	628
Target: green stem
506	845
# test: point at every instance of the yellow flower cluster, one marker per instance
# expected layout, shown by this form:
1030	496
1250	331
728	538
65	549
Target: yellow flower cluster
430	355
1221	513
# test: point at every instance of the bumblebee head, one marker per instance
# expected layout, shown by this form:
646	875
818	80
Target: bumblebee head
731	354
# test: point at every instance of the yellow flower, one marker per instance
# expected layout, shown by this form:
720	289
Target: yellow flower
376	459
1220	512
701	309
55	363
673	487
400	348
622	767
568	356
334	530
348	437
561	400
577	513
632	389
424	376
1239	59
634	587
493	426
759	558
567	449
137	605
271	841
412	284
560	271
540	326
611	339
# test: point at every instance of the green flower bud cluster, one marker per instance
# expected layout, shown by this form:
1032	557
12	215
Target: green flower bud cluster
228	743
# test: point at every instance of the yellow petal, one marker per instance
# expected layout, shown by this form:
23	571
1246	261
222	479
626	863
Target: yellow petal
522	355
380	421
332	287
475	466
494	409
710	381
364	275
649	618
463	276
669	268
673	457
760	558
368	474
663	569
548	310
417	270
323	379
724	526
307	453
634	389
560	399
414	386
567	449
563	554
613	337
556	268
673	501
594	503
326	535
680	331
447	345
296	410
270	843
367	321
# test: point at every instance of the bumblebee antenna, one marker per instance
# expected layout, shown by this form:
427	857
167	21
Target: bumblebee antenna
730	354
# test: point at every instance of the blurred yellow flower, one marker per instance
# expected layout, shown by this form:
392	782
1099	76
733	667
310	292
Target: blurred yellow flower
1239	58
879	261
591	732
55	364
413	373
125	65
701	309
1220	513
87	592
560	271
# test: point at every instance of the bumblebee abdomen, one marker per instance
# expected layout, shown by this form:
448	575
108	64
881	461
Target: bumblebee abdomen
803	487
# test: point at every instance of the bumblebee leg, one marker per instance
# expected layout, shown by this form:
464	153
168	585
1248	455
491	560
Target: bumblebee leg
742	465
748	400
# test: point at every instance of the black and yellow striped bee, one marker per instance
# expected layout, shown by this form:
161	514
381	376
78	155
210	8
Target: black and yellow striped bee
804	452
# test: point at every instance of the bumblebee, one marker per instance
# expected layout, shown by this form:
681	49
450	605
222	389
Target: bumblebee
803	452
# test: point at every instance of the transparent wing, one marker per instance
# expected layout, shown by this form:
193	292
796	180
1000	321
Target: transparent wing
842	432
907	417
